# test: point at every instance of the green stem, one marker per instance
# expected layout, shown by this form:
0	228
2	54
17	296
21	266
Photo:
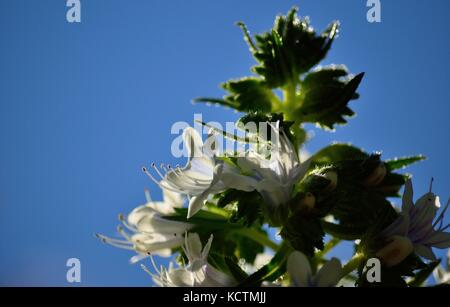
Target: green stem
353	264
257	236
328	247
290	98
319	256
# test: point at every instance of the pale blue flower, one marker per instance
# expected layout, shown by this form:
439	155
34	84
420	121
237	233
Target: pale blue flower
299	271
418	223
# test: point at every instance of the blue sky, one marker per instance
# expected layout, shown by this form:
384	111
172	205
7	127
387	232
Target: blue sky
84	106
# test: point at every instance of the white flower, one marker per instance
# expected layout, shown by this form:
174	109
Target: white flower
299	271
414	229
198	273
442	275
150	231
275	177
202	175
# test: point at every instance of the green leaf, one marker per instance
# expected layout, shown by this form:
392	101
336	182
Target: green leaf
181	214
248	248
271	271
305	233
249	94
235	270
336	153
325	96
344	232
391	184
245	95
247	206
399	163
289	49
218	261
359	207
202	220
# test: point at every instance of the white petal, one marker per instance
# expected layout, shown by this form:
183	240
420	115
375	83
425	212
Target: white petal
193	142
407	199
167	252
254	164
302	169
181	278
188	180
239	182
216	278
425	210
424	251
145	244
399	227
299	269
157	224
172	198
330	274
193	246
207	247
439	240
196	204
273	192
140	212
163	208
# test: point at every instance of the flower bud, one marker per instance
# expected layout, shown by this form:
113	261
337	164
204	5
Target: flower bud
395	251
376	176
307	202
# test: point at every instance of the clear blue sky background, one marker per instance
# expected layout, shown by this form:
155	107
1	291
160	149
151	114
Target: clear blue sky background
84	106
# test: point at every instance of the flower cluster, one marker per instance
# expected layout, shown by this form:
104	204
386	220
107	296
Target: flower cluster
218	208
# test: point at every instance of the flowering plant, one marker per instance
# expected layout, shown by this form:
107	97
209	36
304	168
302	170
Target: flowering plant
219	208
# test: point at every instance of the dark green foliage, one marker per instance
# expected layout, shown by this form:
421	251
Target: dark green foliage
246	206
423	274
285	55
246	95
235	270
271	271
337	153
290	49
304	232
324	97
289	89
403	162
363	184
248	249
